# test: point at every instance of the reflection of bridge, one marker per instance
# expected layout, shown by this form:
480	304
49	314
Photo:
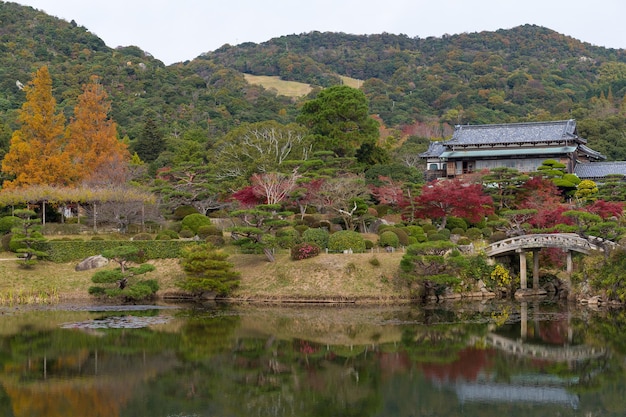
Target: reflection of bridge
552	353
569	242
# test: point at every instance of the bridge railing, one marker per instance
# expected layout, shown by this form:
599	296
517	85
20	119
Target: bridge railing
567	241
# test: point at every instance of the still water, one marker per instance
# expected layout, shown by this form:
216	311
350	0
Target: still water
530	359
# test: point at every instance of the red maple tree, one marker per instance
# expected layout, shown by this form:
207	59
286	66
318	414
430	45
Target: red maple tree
444	198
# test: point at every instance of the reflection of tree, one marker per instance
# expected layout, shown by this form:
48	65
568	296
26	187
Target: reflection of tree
434	344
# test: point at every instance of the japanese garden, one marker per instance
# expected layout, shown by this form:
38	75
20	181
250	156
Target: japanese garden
323	224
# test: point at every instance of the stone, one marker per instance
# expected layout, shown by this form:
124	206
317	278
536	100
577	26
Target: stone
97	261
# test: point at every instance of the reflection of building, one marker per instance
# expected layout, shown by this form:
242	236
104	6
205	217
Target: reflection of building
521	146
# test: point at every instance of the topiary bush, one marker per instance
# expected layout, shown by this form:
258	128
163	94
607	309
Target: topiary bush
183	211
287	237
186	234
142	236
304	250
434	237
388	239
194	221
317	236
474	233
457	231
205	231
403	237
166	234
456	222
346	240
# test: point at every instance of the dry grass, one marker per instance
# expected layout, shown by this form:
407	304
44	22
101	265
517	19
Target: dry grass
285	88
351	82
326	278
292	88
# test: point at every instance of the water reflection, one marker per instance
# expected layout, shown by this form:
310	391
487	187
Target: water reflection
463	360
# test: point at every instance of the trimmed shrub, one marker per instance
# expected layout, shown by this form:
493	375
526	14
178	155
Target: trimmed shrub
457	231
486	231
436	237
316	236
205	231
304	251
464	241
369	244
301	228
183	211
403	237
142	236
474	233
311	220
166	234
73	250
429	228
388	239
287	237
217	241
384	227
186	234
194	221
456	222
345	240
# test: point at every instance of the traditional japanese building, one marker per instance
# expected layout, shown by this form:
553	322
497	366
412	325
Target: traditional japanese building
521	146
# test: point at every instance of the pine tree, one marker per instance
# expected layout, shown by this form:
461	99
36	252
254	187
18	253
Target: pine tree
96	152
37	154
150	143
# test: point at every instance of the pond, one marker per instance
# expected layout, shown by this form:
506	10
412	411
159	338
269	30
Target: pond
478	359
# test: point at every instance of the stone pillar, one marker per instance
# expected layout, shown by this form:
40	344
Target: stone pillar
522	270
535	269
570	263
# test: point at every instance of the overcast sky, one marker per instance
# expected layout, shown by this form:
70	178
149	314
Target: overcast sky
180	30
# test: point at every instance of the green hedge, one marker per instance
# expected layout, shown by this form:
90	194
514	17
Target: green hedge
74	250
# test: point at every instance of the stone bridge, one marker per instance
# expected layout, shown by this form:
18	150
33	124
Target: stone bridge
569	242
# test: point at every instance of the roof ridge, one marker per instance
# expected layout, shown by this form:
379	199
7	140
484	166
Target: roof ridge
553	122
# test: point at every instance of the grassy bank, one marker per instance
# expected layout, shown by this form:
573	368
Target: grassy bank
352	277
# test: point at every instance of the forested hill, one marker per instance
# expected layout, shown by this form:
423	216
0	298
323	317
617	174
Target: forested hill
522	74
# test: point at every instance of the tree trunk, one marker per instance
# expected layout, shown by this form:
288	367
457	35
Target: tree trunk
269	254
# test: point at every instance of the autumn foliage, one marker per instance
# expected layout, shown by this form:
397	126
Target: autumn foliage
441	199
44	152
37	154
92	143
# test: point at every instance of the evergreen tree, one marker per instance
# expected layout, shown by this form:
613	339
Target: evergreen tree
339	119
119	282
151	142
26	235
207	270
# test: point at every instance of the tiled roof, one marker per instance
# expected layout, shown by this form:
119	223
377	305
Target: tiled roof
539	132
434	150
600	169
590	152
